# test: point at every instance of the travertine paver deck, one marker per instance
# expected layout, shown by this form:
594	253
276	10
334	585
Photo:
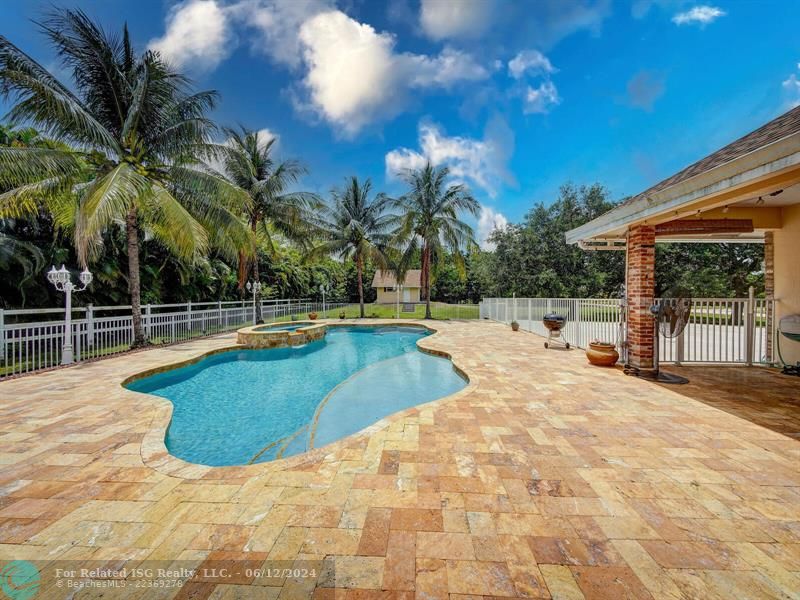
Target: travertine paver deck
545	478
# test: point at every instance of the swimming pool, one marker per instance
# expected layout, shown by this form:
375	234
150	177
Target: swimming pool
245	406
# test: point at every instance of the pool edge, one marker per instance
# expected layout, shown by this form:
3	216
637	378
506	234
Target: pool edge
155	454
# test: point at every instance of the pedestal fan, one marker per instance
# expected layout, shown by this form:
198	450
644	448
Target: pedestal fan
671	316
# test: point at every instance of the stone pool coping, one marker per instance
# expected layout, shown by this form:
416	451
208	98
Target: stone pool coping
269	335
154	452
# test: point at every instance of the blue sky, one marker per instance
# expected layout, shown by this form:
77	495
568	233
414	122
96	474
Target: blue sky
516	97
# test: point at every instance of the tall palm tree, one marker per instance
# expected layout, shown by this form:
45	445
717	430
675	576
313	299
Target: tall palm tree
430	221
357	227
248	164
134	127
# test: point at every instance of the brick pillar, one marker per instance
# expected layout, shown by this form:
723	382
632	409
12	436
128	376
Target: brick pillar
640	285
769	286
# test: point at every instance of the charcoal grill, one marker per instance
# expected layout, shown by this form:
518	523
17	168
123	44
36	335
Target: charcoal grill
554	323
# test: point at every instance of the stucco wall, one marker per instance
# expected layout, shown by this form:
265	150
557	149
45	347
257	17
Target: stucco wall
391	297
787	274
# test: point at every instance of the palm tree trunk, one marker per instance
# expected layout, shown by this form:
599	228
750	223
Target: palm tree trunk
134	283
426	279
360	269
256	278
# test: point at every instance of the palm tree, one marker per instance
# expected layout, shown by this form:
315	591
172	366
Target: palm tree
430	222
357	227
247	163
134	128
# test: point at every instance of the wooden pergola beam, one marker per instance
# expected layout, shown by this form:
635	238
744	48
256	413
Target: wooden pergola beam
704	226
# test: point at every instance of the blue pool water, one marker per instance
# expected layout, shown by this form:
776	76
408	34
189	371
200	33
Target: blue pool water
281	327
248	406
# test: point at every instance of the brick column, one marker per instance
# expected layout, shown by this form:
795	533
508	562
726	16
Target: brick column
640	286
769	286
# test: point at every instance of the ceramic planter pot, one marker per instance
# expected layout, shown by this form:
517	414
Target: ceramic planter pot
514	326
341	315
602	354
312	316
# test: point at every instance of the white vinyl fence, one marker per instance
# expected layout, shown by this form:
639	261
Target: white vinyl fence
720	330
31	339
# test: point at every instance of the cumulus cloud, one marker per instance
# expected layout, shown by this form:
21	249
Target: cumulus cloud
202	33
540	99
481	162
698	15
644	89
355	77
791	87
278	22
198	34
488	222
531	61
441	19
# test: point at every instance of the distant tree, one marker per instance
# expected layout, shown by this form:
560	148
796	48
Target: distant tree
272	209
356	227
430	222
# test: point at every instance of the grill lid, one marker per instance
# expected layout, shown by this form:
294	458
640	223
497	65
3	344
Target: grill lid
790	325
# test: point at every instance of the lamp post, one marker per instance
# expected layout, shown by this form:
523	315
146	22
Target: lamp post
254	287
62	280
323	289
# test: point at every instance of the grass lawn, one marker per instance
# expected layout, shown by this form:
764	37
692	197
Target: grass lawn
439	310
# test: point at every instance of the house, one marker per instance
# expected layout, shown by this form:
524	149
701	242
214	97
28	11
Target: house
746	192
386	285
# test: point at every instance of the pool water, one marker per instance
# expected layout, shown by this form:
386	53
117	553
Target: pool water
246	406
281	327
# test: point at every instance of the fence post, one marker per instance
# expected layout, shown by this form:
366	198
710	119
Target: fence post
148	329
189	319
2	337
680	346
580	343
219	315
750	331
90	325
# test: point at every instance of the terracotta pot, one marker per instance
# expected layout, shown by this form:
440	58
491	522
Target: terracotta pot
514	326
602	354
312	316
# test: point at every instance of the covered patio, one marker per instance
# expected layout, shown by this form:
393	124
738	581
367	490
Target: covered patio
746	192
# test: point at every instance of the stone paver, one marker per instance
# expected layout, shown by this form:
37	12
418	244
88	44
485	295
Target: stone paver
545	477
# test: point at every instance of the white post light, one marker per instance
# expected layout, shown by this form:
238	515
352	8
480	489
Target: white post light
62	281
256	289
323	289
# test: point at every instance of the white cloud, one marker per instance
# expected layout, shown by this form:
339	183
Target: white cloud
198	34
442	19
531	61
489	221
278	22
791	87
354	76
481	162
540	99
698	15
201	33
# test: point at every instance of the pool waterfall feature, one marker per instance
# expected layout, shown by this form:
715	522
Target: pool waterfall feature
253	405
